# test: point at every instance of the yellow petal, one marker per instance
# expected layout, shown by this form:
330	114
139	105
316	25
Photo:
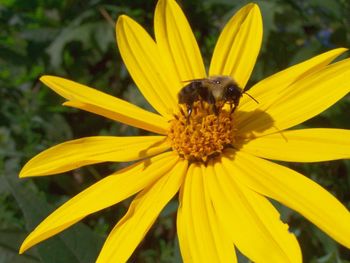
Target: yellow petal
238	45
201	237
184	223
141	215
253	224
307	145
295	191
77	153
223	243
302	100
146	66
94	99
160	128
106	192
266	91
177	43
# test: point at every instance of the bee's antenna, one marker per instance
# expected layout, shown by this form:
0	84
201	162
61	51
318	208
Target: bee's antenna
250	96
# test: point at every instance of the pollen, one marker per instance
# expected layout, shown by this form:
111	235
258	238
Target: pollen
203	135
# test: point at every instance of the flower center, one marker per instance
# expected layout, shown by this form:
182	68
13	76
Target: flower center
203	135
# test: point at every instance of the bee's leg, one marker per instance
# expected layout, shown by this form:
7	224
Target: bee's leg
202	104
189	112
233	108
182	111
215	110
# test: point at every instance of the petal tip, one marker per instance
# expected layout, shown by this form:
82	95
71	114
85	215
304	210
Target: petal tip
24	247
21	250
121	23
342	49
253	6
24	172
44	78
256	9
27	244
253	9
122	19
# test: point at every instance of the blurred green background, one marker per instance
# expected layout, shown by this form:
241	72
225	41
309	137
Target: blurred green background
76	40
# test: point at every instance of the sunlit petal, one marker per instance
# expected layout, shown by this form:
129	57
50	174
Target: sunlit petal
124	118
253	224
238	45
302	100
94	99
146	66
201	237
141	215
104	193
293	190
77	153
267	91
306	145
177	43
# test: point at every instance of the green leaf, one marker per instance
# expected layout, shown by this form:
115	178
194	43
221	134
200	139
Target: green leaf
84	34
78	244
3	188
9	243
330	6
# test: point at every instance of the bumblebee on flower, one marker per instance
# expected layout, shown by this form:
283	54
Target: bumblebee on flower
213	152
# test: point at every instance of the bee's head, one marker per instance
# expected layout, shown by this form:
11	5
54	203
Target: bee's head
232	93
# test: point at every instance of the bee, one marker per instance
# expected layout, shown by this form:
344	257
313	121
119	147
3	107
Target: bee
215	90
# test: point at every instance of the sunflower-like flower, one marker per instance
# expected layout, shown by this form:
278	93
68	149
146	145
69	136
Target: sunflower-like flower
217	161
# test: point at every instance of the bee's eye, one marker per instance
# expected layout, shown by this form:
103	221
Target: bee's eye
231	89
233	92
217	81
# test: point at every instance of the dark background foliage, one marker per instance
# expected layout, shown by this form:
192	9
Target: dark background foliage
76	39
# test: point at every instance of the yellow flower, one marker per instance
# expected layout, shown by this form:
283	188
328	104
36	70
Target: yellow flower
222	199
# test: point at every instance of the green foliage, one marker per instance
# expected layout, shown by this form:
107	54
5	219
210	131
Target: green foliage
80	244
76	40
